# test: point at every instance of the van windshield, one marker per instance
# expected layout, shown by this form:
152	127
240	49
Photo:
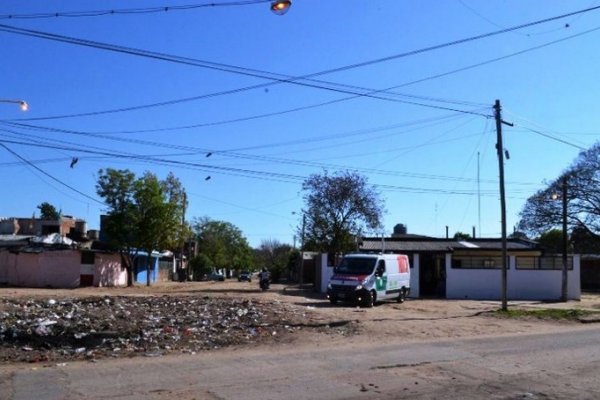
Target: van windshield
356	265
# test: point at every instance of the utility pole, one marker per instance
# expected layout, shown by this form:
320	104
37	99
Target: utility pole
183	239
500	150
478	195
302	251
565	275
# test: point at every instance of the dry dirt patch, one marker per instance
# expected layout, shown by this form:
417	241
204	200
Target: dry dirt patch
93	323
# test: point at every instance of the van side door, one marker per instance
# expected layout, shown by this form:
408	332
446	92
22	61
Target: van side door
380	277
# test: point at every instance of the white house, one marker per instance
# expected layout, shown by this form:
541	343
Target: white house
471	269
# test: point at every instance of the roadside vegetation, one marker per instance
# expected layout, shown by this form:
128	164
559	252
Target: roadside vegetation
550	313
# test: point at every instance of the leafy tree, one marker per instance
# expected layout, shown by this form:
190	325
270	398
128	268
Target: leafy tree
461	236
200	266
223	244
543	210
141	214
338	208
48	212
116	188
583	242
275	256
552	240
156	216
177	196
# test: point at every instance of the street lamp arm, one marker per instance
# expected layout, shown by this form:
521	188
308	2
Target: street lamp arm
22	103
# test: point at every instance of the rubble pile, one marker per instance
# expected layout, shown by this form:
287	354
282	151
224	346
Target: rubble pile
91	328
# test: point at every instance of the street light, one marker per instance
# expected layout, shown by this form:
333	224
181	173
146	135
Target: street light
22	103
280	7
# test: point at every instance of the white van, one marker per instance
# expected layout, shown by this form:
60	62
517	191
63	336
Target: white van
367	278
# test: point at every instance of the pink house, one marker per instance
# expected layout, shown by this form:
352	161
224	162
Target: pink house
68	268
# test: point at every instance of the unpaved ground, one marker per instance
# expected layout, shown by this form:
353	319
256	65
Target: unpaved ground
187	317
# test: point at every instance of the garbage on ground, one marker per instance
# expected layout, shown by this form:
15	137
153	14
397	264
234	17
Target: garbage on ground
37	330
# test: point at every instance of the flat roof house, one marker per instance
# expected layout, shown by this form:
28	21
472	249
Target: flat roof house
471	268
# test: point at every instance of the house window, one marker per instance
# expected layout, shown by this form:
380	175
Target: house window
474	262
543	263
88	257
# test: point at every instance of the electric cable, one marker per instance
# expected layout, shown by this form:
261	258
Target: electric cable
549	136
50	176
234	154
294	80
299	81
129	11
215	123
281	177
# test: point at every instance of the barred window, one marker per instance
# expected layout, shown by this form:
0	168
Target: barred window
543	263
88	257
474	262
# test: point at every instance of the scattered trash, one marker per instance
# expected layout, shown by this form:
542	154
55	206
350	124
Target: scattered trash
36	330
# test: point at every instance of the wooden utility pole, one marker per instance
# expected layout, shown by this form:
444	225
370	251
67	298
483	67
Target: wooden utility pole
301	283
500	150
565	274
183	239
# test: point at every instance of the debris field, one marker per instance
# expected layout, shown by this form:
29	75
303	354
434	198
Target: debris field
49	330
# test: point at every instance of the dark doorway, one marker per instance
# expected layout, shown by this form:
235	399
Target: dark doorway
432	275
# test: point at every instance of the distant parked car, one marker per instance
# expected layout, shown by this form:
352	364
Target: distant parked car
215	276
245	276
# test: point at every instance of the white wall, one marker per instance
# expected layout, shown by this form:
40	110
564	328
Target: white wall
414	276
521	284
326	271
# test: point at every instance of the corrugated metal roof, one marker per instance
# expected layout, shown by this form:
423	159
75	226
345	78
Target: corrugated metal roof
442	245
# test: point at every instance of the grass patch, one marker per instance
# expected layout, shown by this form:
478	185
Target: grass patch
547	313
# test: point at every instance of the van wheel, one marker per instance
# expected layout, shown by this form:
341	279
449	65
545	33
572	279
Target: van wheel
402	295
370	299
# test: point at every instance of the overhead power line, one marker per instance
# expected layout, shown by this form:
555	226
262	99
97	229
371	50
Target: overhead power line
296	109
50	176
131	11
549	136
293	80
289	178
304	80
191	150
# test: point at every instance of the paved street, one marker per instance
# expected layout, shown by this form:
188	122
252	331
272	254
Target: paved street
558	365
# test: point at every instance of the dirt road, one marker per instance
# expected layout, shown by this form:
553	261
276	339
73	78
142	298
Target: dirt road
175	317
307	348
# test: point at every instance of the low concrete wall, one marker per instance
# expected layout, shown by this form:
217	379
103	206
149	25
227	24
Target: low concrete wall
107	270
522	284
58	269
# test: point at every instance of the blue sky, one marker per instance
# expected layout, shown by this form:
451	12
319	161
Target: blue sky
420	143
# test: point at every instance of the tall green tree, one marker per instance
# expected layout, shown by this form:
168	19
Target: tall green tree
338	208
156	217
462	236
275	256
48	212
551	240
177	196
222	244
543	211
116	188
142	214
